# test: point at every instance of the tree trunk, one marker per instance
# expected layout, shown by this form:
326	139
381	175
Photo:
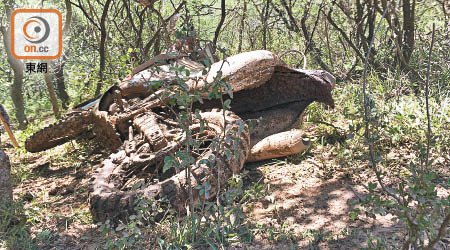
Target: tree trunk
157	46
52	94
103	36
408	28
17	95
371	19
219	26
5	179
360	38
241	29
16	87
60	84
59	71
264	21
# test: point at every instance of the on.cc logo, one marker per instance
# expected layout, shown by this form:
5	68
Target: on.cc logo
36	33
37	24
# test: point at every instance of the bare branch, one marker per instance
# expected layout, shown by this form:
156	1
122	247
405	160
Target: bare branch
80	6
441	233
344	35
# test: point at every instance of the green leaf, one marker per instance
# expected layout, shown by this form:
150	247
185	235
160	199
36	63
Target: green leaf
203	161
241	127
228	154
207	63
219	75
178	34
120	227
168	163
250	125
166	167
226	104
230	92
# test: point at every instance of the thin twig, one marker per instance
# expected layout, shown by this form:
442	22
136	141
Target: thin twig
427	83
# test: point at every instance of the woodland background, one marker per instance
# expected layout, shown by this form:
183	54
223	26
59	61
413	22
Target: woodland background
398	135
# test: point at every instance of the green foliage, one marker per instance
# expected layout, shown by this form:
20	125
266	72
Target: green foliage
414	200
14	232
397	130
215	225
131	234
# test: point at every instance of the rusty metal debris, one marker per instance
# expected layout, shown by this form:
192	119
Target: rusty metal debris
133	121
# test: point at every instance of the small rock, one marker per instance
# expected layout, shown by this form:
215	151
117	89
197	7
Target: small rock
291	220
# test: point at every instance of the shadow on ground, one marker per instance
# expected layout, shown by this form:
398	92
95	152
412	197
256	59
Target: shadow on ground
313	213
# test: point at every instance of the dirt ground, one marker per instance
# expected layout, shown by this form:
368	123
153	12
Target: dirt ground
308	204
315	211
